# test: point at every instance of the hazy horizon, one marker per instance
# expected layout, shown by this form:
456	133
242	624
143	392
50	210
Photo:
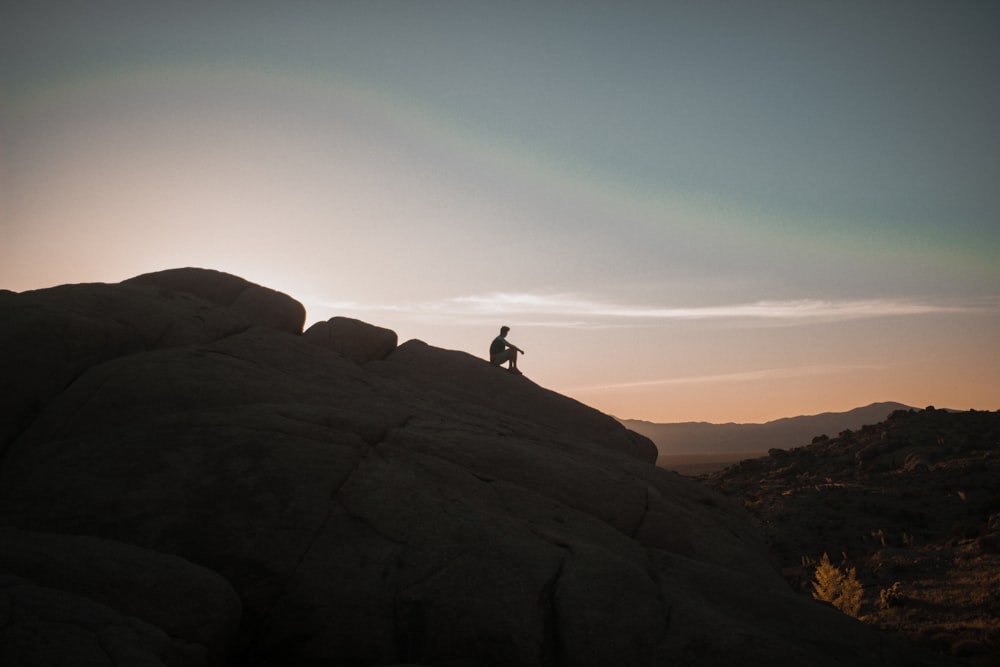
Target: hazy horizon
684	212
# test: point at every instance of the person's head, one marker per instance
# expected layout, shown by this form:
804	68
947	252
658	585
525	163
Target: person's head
504	330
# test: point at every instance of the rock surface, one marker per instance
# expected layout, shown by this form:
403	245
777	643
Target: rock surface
90	592
260	305
421	507
358	341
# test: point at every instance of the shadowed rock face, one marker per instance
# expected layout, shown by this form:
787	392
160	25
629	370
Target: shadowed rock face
358	341
260	305
418	506
138	603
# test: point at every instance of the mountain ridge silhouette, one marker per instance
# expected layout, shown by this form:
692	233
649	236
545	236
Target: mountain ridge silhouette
708	437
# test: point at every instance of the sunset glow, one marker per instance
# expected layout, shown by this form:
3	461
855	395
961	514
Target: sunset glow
684	212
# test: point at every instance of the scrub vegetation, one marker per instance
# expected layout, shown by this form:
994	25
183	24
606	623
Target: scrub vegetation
912	508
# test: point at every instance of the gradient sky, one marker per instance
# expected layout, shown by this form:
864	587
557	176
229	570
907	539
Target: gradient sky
685	211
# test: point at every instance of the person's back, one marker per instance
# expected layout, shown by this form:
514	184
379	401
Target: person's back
498	345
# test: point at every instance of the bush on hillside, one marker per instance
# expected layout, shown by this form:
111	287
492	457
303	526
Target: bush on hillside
841	589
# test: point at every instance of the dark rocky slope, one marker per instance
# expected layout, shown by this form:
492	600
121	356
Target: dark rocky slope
188	479
912	503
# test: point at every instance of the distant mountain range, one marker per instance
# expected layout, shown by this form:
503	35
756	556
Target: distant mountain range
704	437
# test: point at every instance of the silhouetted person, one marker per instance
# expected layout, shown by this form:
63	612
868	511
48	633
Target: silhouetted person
501	351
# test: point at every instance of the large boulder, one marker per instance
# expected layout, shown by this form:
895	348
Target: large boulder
42	626
87	591
49	338
358	341
260	305
424	508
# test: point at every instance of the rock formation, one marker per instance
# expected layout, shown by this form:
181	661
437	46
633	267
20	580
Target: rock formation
358	341
187	479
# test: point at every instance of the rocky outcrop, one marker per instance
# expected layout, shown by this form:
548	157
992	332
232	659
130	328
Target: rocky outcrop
49	338
260	305
421	507
358	341
98	596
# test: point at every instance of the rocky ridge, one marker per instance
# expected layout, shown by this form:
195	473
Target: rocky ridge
187	478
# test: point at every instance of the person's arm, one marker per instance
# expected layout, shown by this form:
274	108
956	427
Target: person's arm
509	344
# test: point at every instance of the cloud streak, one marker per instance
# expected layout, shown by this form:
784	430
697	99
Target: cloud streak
729	378
568	310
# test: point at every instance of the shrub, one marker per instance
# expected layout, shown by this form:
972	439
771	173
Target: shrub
891	597
851	592
841	589
828	581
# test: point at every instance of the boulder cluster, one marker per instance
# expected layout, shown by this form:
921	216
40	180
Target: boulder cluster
188	478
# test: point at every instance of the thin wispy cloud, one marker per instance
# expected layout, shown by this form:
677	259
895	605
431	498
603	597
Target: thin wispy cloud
568	310
507	303
729	378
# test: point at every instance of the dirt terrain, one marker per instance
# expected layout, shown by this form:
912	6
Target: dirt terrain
912	503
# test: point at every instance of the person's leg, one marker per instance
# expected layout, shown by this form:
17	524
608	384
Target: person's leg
513	357
499	359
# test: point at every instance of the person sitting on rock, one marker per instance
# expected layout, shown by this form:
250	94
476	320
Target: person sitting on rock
501	350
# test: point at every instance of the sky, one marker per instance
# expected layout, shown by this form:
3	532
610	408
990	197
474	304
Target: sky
685	211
